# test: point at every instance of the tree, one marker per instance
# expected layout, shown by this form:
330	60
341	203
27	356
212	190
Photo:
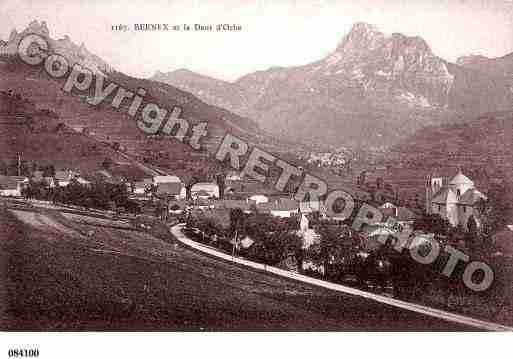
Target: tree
60	126
379	182
432	223
3	168
472	225
150	189
360	181
418	203
497	209
49	171
191	180
471	234
275	238
107	163
221	183
236	220
337	244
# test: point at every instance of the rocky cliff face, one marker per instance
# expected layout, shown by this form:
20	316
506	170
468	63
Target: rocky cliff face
71	51
403	68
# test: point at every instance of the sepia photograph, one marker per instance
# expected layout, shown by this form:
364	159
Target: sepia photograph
253	167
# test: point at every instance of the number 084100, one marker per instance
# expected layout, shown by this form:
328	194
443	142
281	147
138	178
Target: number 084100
23	353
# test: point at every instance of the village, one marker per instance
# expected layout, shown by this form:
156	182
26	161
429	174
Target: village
238	216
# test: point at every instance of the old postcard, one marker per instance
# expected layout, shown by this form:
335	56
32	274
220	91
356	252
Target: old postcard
255	166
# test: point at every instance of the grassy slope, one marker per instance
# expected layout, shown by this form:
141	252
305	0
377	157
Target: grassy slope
482	148
111	125
57	282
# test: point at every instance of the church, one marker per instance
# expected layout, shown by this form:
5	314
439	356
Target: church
455	200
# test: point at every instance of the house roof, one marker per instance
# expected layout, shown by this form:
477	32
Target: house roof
259	196
205	186
234	203
471	197
64	175
441	196
202	192
388	205
104	176
19	178
37	174
233	176
388	212
309	206
9	182
105	173
82	181
378	231
460	178
282	204
181	204
444	196
141	184
172	188
405	214
166	179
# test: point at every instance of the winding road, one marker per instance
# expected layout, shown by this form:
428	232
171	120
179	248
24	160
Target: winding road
129	280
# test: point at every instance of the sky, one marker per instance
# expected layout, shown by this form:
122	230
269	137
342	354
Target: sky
274	33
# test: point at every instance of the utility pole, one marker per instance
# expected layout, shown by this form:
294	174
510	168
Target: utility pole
19	164
234	245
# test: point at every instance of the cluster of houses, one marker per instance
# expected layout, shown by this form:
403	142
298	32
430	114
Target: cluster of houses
455	200
12	186
329	159
172	186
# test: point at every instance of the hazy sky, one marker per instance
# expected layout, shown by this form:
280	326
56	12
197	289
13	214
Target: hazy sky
274	33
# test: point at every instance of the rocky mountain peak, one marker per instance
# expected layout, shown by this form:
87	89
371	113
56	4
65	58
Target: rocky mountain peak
64	46
409	44
362	36
38	28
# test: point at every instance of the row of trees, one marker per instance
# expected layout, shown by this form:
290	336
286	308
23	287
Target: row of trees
275	239
99	195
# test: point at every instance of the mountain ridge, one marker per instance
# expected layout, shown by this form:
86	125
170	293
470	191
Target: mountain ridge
65	47
394	83
499	66
109	125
